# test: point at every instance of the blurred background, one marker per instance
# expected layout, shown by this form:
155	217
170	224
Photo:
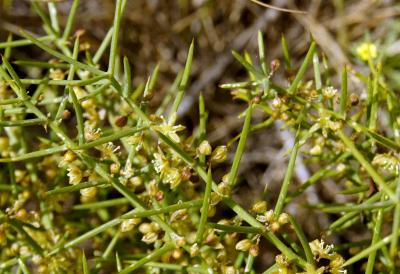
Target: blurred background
159	32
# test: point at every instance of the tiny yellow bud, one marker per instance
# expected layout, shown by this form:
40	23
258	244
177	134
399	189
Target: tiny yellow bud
75	175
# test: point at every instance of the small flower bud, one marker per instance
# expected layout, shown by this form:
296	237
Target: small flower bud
136	181
244	245
155	227
115	168
69	156
177	254
274	65
329	92
89	193
88	104
75	175
145	228
277	102
211	211
340	167
56	74
224	189
230	238
215	199
219	154
129	224
259	207
179	240
269	215
275	226
283	219
172	176
150	237
194	250
230	270
4	143
316	150
254	250
204	148
284	116
181	214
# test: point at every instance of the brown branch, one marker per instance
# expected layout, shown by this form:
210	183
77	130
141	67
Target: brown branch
277	8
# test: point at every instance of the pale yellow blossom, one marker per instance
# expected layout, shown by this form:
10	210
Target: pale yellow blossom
366	51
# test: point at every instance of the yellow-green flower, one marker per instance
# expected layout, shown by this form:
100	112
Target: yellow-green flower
366	51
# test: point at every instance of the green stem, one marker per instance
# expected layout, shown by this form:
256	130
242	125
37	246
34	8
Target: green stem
204	209
241	146
151	257
368	167
287	180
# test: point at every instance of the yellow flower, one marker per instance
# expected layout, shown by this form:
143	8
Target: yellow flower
366	51
75	175
169	130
